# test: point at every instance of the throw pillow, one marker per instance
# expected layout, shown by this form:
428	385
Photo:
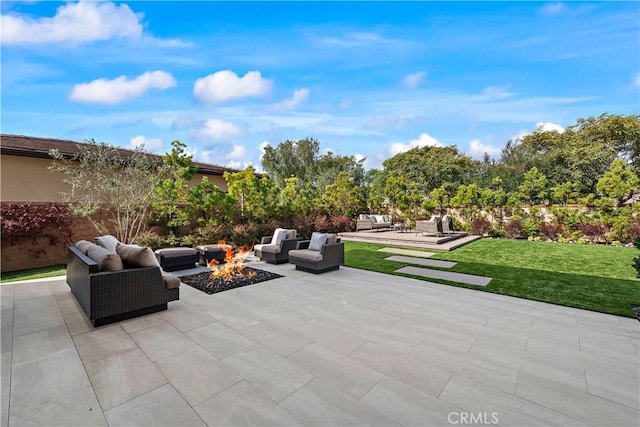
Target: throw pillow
108	242
83	245
318	240
373	219
291	234
107	261
137	256
380	218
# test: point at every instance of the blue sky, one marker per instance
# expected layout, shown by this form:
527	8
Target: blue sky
365	78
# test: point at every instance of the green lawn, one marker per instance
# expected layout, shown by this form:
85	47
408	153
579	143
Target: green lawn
33	273
598	278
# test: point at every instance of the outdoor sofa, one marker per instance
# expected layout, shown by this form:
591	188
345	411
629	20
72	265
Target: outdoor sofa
324	252
114	286
373	222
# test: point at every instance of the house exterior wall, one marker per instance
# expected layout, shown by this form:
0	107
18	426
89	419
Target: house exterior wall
28	180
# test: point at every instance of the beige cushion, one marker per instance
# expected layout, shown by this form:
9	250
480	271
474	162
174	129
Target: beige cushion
137	256
107	261
170	281
317	241
108	242
332	238
274	249
83	246
305	254
291	234
278	236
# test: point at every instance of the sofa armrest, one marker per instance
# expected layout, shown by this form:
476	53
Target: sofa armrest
287	245
333	253
266	240
303	244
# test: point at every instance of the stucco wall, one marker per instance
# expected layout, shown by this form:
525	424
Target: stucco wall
27	179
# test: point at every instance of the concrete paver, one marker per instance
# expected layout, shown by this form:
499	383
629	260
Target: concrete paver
349	347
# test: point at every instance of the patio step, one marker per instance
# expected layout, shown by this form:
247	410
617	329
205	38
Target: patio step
421	261
468	279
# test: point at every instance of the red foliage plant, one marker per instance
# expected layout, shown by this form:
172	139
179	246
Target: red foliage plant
341	223
480	226
594	232
550	231
513	229
29	223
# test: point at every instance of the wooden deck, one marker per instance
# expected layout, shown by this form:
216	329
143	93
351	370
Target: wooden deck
445	242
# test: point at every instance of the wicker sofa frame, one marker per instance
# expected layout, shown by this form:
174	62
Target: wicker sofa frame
368	224
112	296
332	258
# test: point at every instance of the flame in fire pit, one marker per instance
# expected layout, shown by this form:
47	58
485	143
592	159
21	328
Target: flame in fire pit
233	267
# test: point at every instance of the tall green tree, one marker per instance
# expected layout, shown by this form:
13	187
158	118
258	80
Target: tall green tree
619	182
534	187
256	198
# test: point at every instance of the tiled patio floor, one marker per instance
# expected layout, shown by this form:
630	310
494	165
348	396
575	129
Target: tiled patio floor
348	347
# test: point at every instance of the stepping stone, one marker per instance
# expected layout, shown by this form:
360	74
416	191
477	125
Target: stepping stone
409	252
421	261
468	279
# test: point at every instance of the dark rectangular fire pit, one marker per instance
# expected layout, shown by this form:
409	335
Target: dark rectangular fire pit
248	276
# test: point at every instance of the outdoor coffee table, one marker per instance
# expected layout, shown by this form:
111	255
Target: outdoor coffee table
399	227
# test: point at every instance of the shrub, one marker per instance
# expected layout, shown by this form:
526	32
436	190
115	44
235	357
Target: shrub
550	231
513	229
304	226
244	234
22	223
480	226
341	223
322	223
632	231
150	239
207	235
594	232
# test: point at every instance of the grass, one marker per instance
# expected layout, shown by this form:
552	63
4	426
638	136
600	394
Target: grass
598	278
33	273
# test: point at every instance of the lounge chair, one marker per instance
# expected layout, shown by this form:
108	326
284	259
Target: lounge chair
275	249
432	226
447	224
324	252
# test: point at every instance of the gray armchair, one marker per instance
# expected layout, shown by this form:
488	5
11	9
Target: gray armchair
447	224
330	255
275	249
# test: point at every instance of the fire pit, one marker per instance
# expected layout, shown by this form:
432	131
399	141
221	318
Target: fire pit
232	274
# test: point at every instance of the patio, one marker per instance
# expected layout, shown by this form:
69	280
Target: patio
349	347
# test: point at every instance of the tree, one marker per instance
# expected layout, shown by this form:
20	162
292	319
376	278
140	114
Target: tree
431	167
172	206
342	196
440	198
619	182
209	204
291	159
534	186
564	193
114	190
256	198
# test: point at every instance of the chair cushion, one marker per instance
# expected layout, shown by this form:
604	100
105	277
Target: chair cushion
170	281
176	252
318	240
291	234
107	261
212	248
108	242
363	216
305	254
278	236
137	256
272	249
332	238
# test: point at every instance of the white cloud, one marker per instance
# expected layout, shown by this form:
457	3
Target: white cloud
214	130
73	23
263	146
225	85
238	152
548	127
636	81
345	103
411	81
424	140
496	91
121	89
150	144
299	95
477	149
